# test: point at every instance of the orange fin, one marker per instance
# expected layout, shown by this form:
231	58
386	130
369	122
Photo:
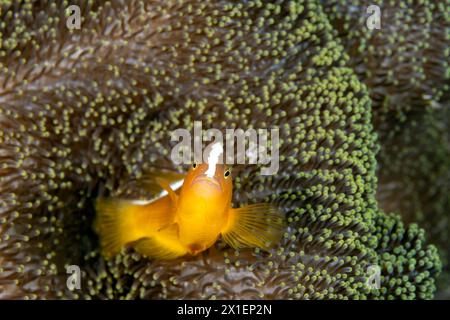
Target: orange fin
149	180
120	221
166	186
257	225
164	245
112	224
167	226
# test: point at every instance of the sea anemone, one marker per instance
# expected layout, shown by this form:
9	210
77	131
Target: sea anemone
405	63
405	66
85	112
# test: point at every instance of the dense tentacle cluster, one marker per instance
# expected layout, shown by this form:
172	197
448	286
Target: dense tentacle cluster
408	266
405	65
415	167
85	112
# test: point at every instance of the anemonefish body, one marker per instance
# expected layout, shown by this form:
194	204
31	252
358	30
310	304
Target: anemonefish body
186	221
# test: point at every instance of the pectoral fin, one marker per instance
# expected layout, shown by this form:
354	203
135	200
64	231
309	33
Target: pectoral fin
258	225
149	181
166	186
164	245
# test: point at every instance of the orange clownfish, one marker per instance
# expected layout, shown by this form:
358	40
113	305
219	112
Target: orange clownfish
186	221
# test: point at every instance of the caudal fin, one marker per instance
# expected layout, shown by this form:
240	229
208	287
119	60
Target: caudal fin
114	225
258	225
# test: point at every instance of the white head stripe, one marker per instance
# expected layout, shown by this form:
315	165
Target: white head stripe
213	159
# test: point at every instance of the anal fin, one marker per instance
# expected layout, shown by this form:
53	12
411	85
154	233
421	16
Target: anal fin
163	245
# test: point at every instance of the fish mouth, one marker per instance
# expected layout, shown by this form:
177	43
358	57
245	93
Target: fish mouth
210	181
194	249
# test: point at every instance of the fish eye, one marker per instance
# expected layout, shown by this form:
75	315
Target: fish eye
194	165
226	174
